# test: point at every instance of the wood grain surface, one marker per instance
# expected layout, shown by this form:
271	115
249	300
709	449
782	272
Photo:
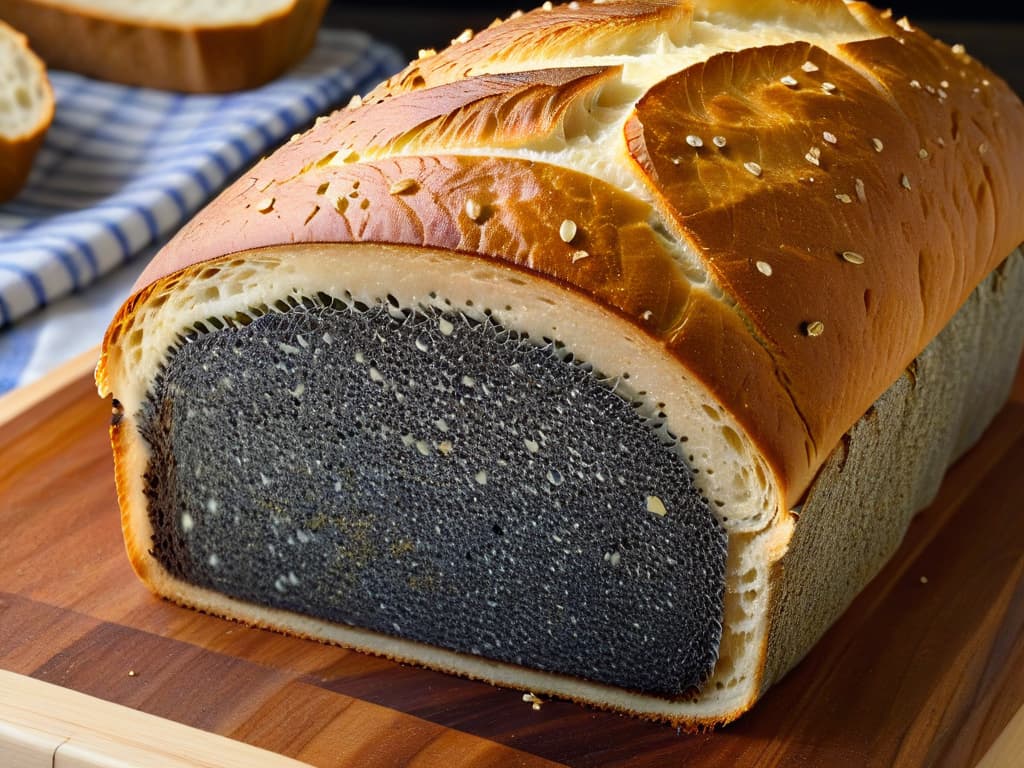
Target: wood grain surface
45	725
925	668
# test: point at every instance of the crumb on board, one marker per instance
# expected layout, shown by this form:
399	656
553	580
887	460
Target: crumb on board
534	700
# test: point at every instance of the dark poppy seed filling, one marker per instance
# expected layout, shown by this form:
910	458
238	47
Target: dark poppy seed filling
440	479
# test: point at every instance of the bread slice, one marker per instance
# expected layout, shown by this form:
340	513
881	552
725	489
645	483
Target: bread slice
26	110
578	357
193	46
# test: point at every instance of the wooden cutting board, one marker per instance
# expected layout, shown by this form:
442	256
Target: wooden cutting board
925	668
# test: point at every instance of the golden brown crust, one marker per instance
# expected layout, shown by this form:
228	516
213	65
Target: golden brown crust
865	210
599	29
140	562
17	153
501	110
616	255
16	158
213	59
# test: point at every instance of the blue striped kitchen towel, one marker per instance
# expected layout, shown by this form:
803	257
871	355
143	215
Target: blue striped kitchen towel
122	168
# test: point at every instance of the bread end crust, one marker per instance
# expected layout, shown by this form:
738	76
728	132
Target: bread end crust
17	153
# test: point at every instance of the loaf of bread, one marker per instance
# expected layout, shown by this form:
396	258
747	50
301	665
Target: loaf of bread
198	46
26	110
605	354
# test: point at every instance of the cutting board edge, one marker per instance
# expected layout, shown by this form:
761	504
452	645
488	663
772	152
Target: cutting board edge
41	722
24	398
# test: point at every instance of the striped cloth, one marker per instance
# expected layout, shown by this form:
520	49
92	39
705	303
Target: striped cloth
122	168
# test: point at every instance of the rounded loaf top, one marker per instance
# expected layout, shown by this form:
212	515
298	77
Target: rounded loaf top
792	197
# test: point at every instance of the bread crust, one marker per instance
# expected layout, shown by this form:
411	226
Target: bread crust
17	153
516	42
194	59
850	236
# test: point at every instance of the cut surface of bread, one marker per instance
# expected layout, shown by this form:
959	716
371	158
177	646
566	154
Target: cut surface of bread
577	357
315	543
181	45
26	109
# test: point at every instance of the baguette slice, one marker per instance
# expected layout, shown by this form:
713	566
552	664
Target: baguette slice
605	354
189	45
26	110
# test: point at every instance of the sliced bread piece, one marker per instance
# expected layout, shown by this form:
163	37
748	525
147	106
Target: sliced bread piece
181	45
26	109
